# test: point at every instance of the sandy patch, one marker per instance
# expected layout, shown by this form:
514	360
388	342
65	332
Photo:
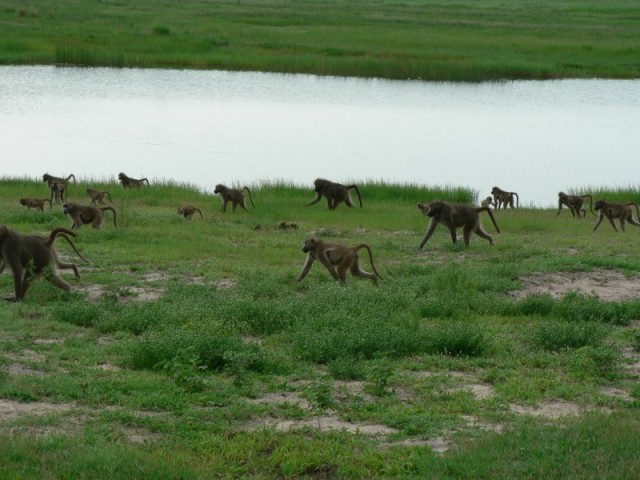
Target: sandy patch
481	391
437	444
47	341
17	369
224	283
607	284
96	292
26	355
616	393
282	398
107	367
474	422
632	358
10	409
324	423
552	410
155	277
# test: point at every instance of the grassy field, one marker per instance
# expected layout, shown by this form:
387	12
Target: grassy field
187	349
466	40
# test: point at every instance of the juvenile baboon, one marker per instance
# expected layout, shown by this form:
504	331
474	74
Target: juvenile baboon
488	202
454	216
233	195
128	182
85	214
188	211
58	186
282	225
575	204
622	211
98	196
35	203
334	193
29	256
333	255
502	198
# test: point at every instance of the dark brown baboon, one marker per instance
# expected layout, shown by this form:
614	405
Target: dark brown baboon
35	203
488	202
504	199
233	195
575	204
98	196
128	182
29	256
622	211
334	193
85	214
454	216
58	186
188	211
334	255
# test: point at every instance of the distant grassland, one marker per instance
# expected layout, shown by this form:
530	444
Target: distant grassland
466	40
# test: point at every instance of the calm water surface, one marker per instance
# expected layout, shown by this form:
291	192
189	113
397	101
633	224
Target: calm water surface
208	127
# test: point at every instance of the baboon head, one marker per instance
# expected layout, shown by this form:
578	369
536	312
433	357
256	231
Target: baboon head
599	204
319	184
23	201
434	208
310	244
67	207
219	188
121	176
495	190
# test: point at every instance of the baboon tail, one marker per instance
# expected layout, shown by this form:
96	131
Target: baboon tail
373	266
249	192
355	187
492	219
55	232
114	214
635	205
517	200
590	203
64	235
198	210
145	180
109	196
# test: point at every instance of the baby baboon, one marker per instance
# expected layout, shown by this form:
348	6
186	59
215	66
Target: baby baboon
188	211
233	195
502	198
29	256
454	216
282	225
334	193
85	214
98	196
333	255
575	204
621	211
58	186
35	203
488	202
128	182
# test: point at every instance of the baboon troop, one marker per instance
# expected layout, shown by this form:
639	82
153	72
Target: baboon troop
332	255
622	211
188	210
575	204
35	203
334	193
503	199
29	256
455	216
85	214
233	195
98	196
128	182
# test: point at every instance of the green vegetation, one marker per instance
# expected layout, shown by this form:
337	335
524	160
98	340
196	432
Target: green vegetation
465	40
187	349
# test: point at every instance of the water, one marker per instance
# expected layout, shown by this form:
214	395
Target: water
209	127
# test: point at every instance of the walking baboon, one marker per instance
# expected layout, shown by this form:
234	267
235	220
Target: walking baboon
502	198
488	202
29	256
188	211
35	203
128	182
622	211
454	216
85	214
333	255
233	195
98	196
334	193
58	186
575	204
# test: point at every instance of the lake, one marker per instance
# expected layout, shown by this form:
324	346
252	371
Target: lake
209	127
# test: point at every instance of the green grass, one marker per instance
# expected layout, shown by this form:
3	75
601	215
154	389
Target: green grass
468	40
179	386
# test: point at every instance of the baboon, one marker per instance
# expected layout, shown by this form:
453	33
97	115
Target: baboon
98	196
233	195
621	211
35	203
333	255
488	202
59	185
454	216
128	182
334	193
282	225
504	199
188	211
575	204
85	214
29	256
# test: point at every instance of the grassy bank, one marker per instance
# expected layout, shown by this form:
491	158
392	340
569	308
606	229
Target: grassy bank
454	41
187	350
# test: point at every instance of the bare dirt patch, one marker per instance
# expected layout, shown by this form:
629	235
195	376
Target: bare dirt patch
552	410
481	391
281	398
96	292
10	409
224	283
607	284
325	423
616	393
